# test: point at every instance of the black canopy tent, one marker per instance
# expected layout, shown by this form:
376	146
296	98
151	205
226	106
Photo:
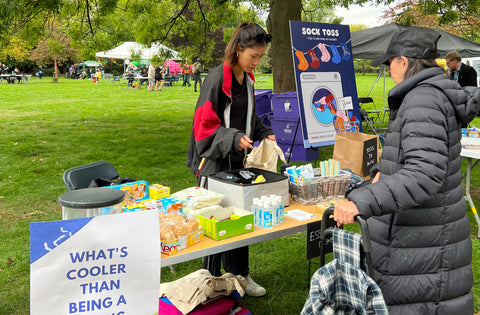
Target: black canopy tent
373	42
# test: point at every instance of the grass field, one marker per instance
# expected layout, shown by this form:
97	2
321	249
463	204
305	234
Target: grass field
47	128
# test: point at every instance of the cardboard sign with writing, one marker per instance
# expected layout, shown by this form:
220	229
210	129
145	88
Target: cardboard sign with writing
97	265
356	151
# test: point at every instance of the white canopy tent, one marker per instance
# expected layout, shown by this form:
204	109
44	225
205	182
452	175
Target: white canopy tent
125	51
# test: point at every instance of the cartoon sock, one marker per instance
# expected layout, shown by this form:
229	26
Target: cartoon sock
325	54
330	100
303	63
315	62
336	56
346	53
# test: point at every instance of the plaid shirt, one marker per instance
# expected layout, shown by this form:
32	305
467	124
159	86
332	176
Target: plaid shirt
341	286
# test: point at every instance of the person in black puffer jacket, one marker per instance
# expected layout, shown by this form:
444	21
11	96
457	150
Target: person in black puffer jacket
421	245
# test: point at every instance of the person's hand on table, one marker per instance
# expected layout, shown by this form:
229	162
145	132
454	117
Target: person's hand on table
345	213
245	143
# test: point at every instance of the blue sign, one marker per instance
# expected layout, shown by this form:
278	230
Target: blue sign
325	79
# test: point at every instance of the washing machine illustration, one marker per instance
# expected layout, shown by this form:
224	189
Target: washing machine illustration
321	92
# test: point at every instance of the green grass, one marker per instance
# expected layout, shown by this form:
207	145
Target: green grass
47	128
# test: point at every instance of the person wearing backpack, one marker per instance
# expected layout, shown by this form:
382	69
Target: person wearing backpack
197	70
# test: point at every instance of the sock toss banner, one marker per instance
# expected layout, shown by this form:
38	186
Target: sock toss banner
325	79
96	265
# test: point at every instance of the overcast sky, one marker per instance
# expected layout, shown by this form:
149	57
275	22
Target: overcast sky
368	15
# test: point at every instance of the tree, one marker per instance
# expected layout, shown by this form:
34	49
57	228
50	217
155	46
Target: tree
461	18
56	48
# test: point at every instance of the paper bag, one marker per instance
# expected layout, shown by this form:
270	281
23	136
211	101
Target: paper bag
356	151
265	156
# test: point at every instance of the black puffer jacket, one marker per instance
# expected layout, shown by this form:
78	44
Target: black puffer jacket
420	231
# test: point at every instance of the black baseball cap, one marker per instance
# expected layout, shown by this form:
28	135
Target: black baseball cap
415	42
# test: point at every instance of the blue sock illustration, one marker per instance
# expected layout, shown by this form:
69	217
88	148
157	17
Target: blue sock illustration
336	56
346	53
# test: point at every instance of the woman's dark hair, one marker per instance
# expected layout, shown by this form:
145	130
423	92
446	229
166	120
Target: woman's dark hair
417	65
247	35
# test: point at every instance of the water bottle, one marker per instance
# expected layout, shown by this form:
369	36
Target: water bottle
260	205
275	212
267	214
281	209
254	210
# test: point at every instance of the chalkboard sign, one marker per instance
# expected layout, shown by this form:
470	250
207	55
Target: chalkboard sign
313	238
369	155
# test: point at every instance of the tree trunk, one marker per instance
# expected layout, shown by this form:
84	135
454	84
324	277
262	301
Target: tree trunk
55	76
281	11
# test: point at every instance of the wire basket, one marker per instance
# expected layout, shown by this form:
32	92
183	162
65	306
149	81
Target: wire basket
320	188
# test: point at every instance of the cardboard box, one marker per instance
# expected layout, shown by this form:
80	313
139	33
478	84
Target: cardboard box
220	224
241	195
170	248
157	191
134	191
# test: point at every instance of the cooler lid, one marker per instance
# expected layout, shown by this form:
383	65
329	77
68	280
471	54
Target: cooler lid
91	198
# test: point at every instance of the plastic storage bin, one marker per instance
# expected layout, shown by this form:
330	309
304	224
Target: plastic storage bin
241	195
89	202
262	101
298	153
285	128
285	105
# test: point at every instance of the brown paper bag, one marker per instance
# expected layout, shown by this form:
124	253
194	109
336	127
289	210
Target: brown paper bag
356	151
265	156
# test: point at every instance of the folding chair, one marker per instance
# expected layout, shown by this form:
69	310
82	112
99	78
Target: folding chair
81	176
375	113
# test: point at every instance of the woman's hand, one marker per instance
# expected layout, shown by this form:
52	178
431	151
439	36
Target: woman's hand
271	137
245	143
375	179
345	213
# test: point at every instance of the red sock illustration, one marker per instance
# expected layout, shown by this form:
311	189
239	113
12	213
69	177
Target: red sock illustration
315	62
303	63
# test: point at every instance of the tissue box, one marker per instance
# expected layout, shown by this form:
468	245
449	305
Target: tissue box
241	195
172	247
220	224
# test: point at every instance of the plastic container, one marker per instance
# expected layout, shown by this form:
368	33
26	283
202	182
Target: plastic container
89	202
285	128
299	153
263	104
285	105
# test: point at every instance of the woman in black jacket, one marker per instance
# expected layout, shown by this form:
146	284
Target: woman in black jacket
420	231
225	127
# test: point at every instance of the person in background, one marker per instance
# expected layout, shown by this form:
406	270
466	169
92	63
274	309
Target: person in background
186	74
18	75
419	228
143	74
40	72
460	72
197	74
130	74
151	76
225	127
159	71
